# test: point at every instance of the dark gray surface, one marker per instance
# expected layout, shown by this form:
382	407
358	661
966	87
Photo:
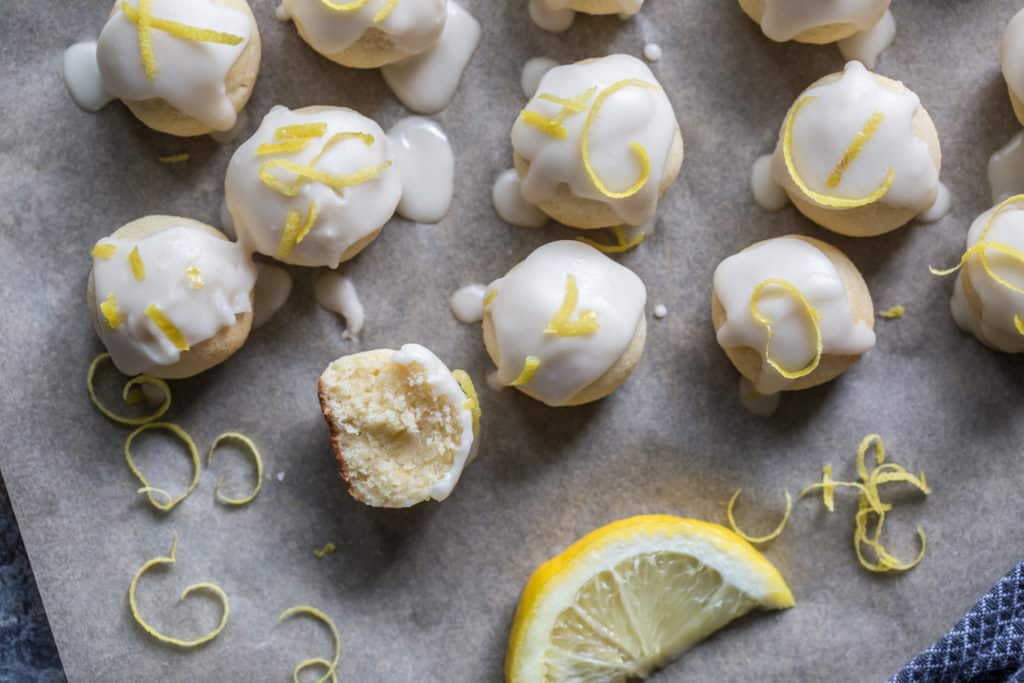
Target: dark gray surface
428	593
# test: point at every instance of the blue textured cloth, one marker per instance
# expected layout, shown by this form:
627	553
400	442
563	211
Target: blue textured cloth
987	645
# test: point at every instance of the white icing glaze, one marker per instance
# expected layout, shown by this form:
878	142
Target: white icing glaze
1006	170
534	70
426	83
550	20
227	274
652	52
1011	54
344	216
443	383
529	296
83	79
994	323
510	205
786	19
827	125
226	137
867	45
768	194
630	115
809	270
335	292
273	286
943	203
412	25
190	74
468	303
756	403
660	311
427	167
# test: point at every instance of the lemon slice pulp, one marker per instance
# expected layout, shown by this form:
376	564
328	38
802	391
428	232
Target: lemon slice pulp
627	599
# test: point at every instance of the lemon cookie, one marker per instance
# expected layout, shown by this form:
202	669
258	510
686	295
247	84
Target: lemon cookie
858	154
403	426
791	313
1011	56
566	326
988	298
184	67
170	297
366	34
313	186
599	144
814	21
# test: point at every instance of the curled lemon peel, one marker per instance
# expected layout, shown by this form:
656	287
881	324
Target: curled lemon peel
308	225
90	380
489	298
472	403
622	243
195	277
385	11
553	126
309	172
104	250
638	150
137	266
256	459
165	325
146	23
345	7
893	313
321	553
284	147
332	665
295	229
818	197
174	158
758	539
204	586
562	325
149	490
812	315
529	370
301	131
110	313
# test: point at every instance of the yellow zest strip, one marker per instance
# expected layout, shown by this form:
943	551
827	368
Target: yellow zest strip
545	125
308	225
385	11
623	243
211	587
345	7
561	324
893	313
472	403
330	666
529	370
489	299
135	261
812	315
154	313
309	172
170	503
286	147
173	158
817	197
195	278
301	131
637	149
759	539
295	230
553	126
90	378
109	310
257	460
321	553
104	251
853	151
144	21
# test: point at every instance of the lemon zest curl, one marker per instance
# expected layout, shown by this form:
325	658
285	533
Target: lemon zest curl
812	315
331	666
170	503
127	394
759	539
257	461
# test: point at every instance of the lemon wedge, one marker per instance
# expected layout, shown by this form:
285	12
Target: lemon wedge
627	599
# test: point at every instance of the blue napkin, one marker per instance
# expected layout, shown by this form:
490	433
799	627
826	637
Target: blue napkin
987	645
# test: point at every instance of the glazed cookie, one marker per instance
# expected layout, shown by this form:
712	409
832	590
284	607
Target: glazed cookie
791	313
858	154
988	299
366	34
184	67
170	297
814	21
566	326
599	144
314	186
1012	58
403	426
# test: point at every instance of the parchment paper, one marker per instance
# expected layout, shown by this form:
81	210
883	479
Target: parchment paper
428	594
